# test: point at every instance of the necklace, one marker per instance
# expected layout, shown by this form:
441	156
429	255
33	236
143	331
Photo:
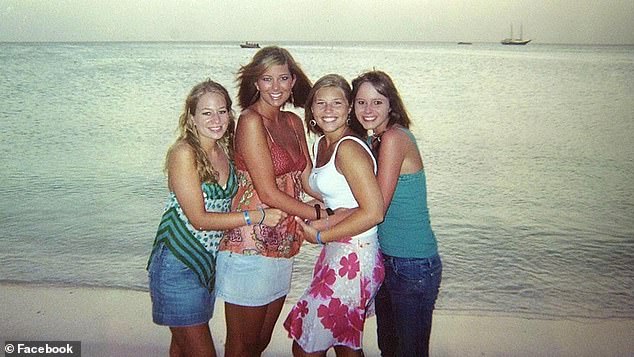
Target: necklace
375	141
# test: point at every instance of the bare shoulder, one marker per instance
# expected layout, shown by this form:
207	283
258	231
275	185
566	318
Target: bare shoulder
181	148
249	115
397	146
250	122
395	135
352	148
395	140
353	160
181	151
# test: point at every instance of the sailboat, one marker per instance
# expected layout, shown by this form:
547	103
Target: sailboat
515	41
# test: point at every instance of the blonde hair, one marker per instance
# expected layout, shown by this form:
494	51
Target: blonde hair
189	135
263	60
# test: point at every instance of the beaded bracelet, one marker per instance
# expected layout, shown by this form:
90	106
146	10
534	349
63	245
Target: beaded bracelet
247	218
318	238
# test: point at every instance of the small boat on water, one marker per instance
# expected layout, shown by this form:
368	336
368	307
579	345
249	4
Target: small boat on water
515	41
250	45
465	43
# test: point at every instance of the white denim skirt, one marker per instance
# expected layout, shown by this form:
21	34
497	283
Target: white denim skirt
252	280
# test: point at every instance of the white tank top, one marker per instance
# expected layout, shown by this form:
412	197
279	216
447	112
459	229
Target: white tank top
331	184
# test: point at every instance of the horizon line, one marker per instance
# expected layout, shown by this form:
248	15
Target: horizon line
300	41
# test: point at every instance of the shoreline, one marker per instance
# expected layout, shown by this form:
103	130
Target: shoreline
118	322
446	312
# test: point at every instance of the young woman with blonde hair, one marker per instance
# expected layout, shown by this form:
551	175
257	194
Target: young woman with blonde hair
202	182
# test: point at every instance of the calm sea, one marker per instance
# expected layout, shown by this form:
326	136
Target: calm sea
528	150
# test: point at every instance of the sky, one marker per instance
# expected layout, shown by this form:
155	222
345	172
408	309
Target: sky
543	21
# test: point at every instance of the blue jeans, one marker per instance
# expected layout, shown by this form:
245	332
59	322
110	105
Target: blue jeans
405	304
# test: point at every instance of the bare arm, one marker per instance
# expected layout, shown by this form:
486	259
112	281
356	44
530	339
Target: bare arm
184	182
397	154
390	159
306	173
305	185
250	141
356	165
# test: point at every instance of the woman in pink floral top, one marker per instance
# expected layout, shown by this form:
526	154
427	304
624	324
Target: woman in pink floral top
349	270
255	262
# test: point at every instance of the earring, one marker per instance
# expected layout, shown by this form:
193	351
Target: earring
312	122
292	98
257	90
348	122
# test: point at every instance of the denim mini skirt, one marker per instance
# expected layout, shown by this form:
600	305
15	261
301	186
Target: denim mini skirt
178	298
252	280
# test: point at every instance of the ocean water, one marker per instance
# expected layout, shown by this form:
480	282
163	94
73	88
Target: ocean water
528	150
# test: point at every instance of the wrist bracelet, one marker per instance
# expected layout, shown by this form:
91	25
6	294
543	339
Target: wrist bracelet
318	210
318	238
263	215
247	218
330	212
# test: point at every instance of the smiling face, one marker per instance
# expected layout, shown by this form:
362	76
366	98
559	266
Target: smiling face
371	108
330	109
275	85
212	116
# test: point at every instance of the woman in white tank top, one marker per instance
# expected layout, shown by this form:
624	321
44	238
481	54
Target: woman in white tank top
349	270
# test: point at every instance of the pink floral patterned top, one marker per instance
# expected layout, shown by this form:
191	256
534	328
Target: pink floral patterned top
283	240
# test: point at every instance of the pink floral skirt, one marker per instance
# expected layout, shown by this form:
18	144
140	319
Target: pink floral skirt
332	311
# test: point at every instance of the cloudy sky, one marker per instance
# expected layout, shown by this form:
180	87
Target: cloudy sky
544	21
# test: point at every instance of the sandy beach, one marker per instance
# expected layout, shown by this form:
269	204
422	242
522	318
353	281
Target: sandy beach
111	322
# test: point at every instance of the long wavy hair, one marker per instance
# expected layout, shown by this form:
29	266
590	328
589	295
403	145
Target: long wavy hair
385	86
329	80
188	133
263	60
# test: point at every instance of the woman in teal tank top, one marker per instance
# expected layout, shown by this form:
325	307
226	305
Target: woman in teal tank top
413	269
201	182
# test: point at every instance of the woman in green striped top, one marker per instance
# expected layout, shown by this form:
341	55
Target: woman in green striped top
202	182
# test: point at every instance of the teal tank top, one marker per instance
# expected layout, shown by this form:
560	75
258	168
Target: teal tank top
406	230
